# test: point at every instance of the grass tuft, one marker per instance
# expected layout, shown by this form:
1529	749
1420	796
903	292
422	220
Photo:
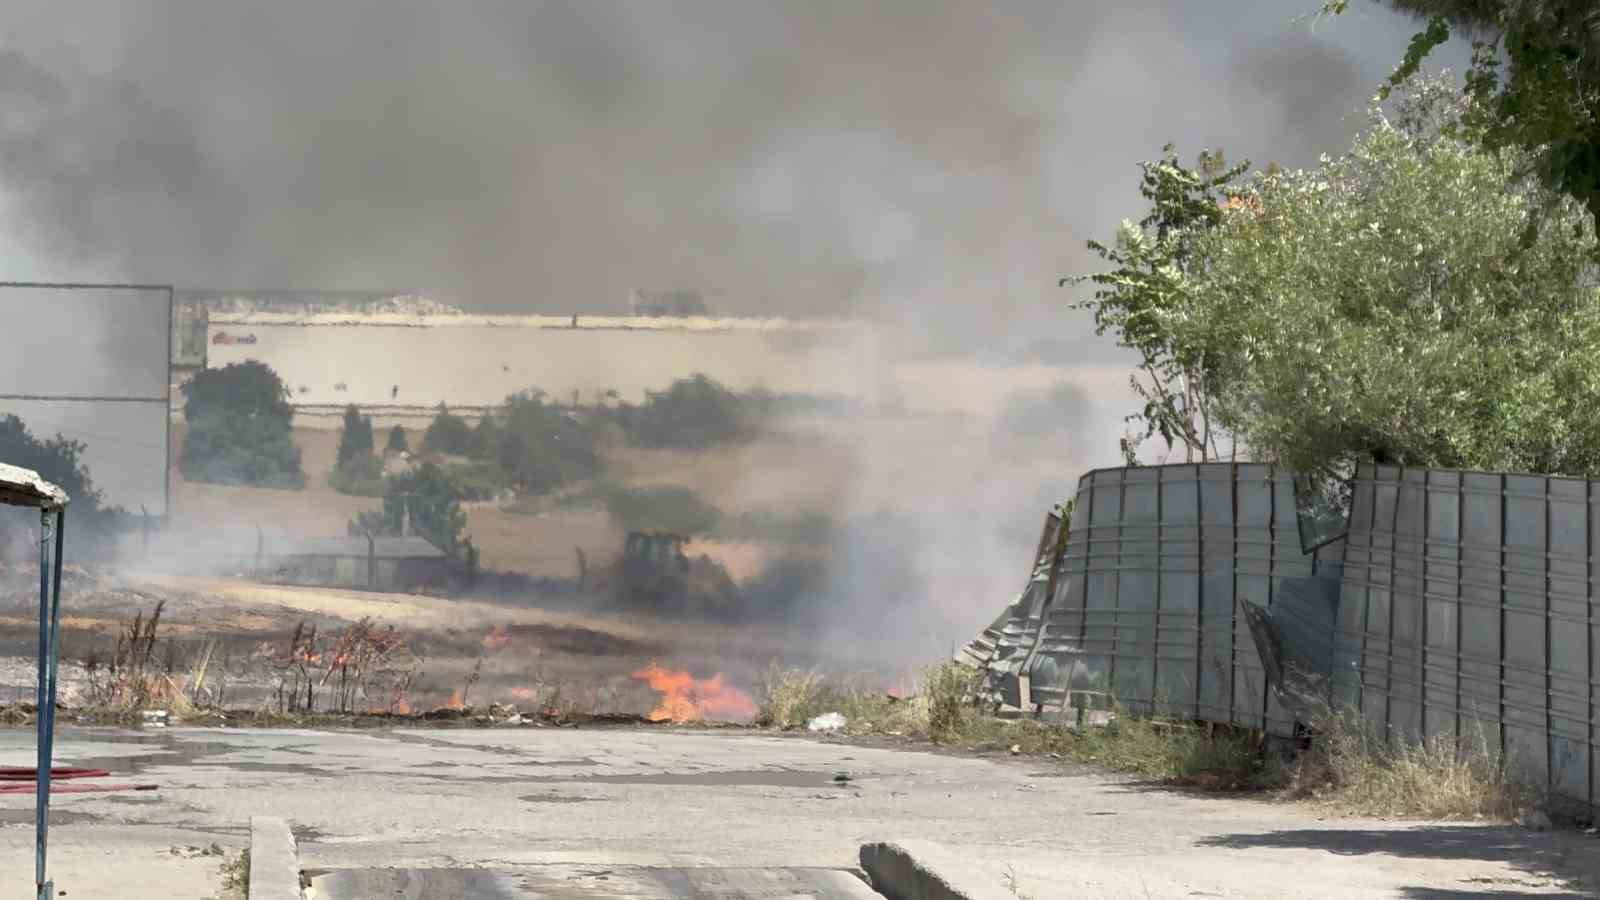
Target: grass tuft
236	873
1351	766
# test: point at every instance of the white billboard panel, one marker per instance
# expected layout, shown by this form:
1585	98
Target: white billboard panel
90	362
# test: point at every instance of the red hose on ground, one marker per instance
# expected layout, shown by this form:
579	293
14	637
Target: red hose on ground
8	773
30	787
21	780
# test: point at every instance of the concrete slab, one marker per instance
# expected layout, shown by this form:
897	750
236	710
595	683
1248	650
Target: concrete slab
590	883
505	799
274	863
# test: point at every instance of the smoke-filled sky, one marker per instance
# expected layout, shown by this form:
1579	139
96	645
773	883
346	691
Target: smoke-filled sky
940	163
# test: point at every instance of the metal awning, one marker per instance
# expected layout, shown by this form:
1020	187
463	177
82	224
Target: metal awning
24	487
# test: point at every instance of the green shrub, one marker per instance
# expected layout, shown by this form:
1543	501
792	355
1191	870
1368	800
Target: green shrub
228	448
362	476
447	433
476	481
60	461
693	414
355	437
540	447
434	502
240	429
949	688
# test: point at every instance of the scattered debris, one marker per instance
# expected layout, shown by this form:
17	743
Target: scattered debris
827	722
192	852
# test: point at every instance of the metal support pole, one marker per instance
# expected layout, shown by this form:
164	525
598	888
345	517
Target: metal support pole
55	623
44	697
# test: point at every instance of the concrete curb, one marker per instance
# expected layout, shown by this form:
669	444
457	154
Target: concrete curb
921	870
274	860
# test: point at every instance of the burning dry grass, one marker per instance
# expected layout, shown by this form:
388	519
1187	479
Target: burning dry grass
685	698
130	678
360	668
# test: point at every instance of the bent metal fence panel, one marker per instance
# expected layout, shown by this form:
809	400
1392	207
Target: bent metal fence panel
1143	608
1467	610
1457	604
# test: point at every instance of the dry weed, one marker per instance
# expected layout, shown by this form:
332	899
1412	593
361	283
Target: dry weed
1354	767
788	697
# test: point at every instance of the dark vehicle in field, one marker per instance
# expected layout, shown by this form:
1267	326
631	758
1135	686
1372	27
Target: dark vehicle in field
654	573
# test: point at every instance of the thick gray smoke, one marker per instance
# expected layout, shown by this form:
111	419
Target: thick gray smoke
940	161
936	166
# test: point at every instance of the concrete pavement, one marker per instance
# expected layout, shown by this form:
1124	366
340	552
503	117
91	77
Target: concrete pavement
514	799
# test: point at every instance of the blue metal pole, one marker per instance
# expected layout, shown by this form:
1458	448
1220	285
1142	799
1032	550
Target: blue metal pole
55	623
46	642
50	693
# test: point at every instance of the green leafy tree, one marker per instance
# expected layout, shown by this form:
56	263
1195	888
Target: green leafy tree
397	441
692	414
250	388
1535	79
59	460
434	505
540	447
357	469
240	428
447	433
1387	306
355	437
485	438
1146	296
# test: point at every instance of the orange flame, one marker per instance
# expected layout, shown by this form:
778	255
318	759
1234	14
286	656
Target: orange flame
497	639
456	700
685	698
903	687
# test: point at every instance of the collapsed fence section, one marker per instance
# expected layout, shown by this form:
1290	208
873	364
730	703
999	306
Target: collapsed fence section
1142	610
1456	604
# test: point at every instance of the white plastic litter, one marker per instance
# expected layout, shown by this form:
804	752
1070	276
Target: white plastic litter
827	722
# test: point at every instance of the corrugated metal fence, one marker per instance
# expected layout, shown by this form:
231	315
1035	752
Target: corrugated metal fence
1467	608
1458	603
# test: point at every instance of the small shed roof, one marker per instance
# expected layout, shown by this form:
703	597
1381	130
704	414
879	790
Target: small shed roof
24	487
